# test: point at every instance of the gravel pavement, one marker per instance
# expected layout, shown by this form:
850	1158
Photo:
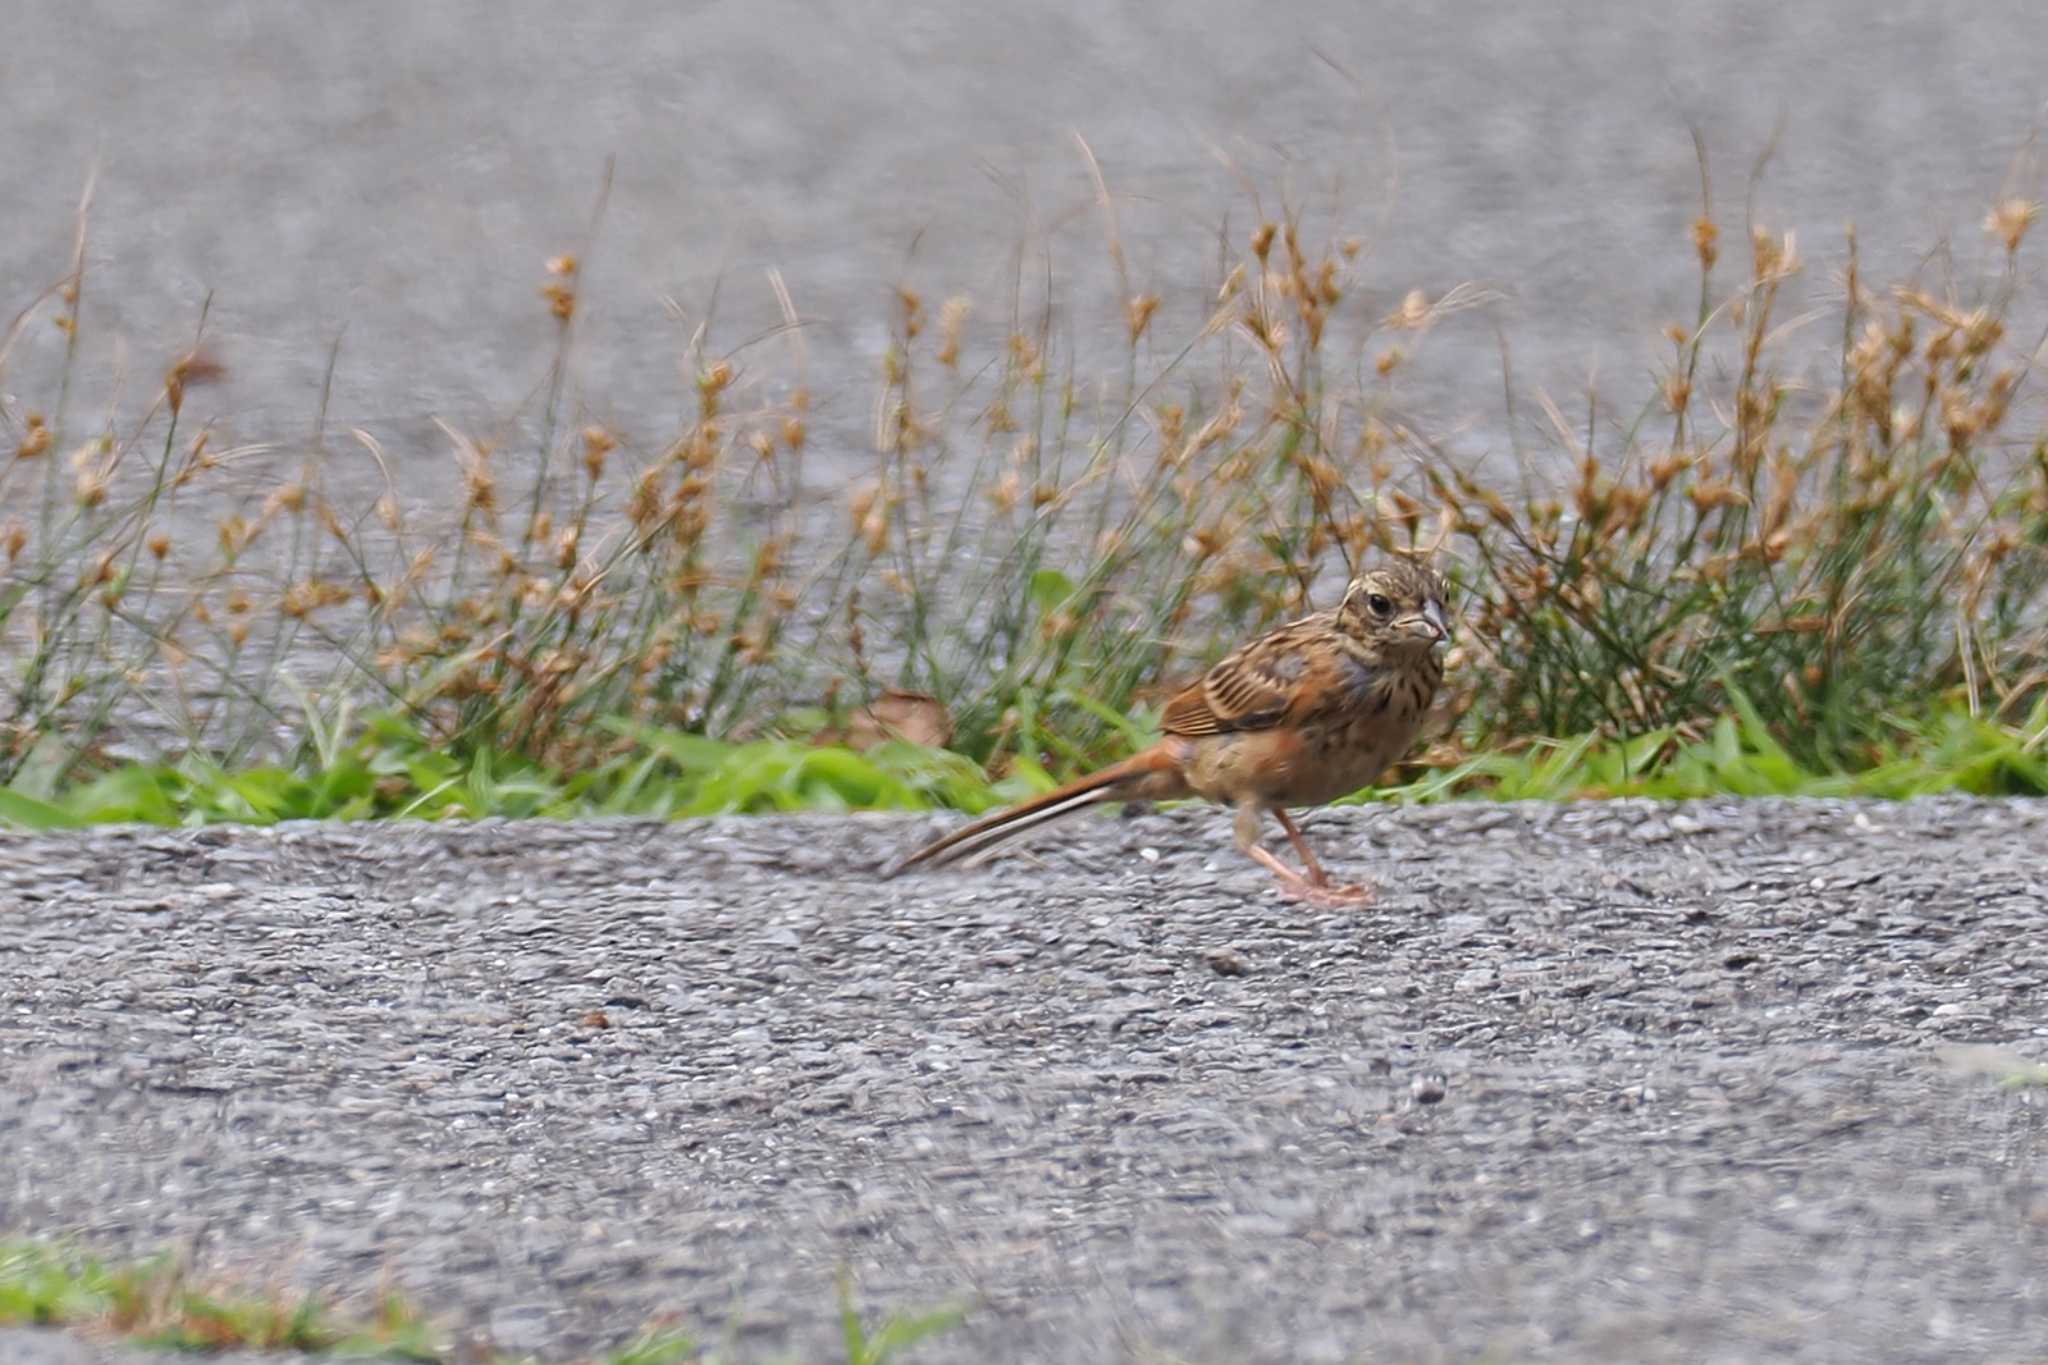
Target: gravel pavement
1592	1082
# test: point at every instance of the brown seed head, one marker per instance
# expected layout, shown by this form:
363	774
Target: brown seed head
1414	310
1138	312
2009	220
597	443
951	315
643	508
190	370
1326	287
1981	331
862	499
1706	239
1003	494
35	440
286	497
1773	258
1708	494
1665	468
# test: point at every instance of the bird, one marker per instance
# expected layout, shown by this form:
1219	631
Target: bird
1311	711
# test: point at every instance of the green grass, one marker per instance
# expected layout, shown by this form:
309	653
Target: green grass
388	770
1945	751
158	1303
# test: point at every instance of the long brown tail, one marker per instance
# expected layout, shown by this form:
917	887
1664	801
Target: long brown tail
1154	773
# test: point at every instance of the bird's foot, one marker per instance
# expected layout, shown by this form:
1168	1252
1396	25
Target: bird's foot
1327	896
1315	889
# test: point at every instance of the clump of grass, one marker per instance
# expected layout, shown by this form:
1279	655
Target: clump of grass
1040	547
1888	543
1946	751
156	1303
892	1337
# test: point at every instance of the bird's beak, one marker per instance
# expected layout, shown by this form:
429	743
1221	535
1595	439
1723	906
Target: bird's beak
1433	615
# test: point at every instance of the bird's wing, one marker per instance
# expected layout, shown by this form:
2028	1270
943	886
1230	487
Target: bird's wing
1252	688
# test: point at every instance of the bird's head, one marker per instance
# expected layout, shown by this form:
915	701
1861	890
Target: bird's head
1398	605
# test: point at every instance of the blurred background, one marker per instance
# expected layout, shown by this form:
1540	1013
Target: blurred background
398	173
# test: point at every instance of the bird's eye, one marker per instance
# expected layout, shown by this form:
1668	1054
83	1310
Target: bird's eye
1380	605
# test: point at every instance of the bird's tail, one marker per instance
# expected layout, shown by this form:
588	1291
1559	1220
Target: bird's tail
1153	774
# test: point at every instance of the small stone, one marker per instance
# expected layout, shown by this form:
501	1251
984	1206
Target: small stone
1226	962
1428	1088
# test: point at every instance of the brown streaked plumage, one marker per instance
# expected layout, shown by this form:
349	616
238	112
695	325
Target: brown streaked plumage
1311	712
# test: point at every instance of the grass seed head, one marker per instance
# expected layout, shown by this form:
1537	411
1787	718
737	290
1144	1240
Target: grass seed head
1706	242
35	438
952	314
191	370
290	497
1138	311
2009	220
597	443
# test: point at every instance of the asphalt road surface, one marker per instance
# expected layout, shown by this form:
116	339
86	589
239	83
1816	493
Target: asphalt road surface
399	173
1718	1082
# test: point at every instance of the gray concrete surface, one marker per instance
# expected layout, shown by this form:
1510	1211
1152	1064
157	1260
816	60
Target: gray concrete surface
403	170
1595	1082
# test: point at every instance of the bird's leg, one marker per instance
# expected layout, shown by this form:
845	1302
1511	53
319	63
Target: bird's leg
1316	875
1357	893
1315	887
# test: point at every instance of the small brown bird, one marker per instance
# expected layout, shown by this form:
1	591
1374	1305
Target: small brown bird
1311	712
